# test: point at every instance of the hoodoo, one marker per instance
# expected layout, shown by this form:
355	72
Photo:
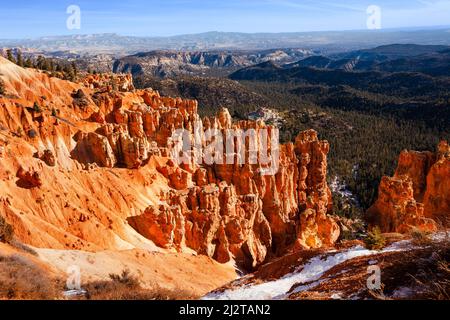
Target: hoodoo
417	196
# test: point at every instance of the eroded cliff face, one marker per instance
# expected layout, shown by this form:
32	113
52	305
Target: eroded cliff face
417	196
91	169
227	211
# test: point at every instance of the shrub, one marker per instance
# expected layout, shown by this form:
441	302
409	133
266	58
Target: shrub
36	107
127	287
22	279
420	238
23	247
375	239
2	87
32	133
6	231
126	278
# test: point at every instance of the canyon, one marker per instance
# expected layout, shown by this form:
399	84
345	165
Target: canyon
88	176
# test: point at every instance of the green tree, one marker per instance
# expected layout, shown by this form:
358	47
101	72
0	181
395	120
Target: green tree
28	63
74	68
19	58
10	56
36	107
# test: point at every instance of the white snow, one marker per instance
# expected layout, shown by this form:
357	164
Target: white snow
339	187
74	293
309	275
336	296
403	292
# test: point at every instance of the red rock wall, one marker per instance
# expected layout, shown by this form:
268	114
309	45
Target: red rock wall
418	196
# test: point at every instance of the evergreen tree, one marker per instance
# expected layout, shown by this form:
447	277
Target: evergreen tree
28	63
10	56
74	68
39	62
19	58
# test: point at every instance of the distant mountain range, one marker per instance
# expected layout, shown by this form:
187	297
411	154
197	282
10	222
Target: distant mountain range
407	81
429	60
172	63
328	42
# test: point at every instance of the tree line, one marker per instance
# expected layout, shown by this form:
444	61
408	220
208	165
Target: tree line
57	68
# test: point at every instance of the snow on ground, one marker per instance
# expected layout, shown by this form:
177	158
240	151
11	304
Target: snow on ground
74	293
309	275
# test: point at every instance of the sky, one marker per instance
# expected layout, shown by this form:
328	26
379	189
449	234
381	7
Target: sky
30	19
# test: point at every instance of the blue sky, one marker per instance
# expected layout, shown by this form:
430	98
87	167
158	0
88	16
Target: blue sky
29	19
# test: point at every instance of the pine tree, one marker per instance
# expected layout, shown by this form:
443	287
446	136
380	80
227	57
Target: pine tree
74	68
28	63
51	66
39	63
19	58
10	56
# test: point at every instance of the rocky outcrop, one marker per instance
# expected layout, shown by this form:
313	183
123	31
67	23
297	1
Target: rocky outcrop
47	156
226	211
109	82
28	178
93	148
232	211
417	196
437	194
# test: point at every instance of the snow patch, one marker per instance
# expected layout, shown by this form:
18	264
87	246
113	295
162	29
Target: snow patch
309	275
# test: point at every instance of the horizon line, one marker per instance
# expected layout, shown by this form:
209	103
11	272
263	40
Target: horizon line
412	28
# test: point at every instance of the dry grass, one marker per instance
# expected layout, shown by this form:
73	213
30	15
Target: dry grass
421	238
128	287
425	271
22	279
433	274
6	231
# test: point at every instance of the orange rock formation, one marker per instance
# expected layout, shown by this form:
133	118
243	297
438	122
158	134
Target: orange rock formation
418	196
91	170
